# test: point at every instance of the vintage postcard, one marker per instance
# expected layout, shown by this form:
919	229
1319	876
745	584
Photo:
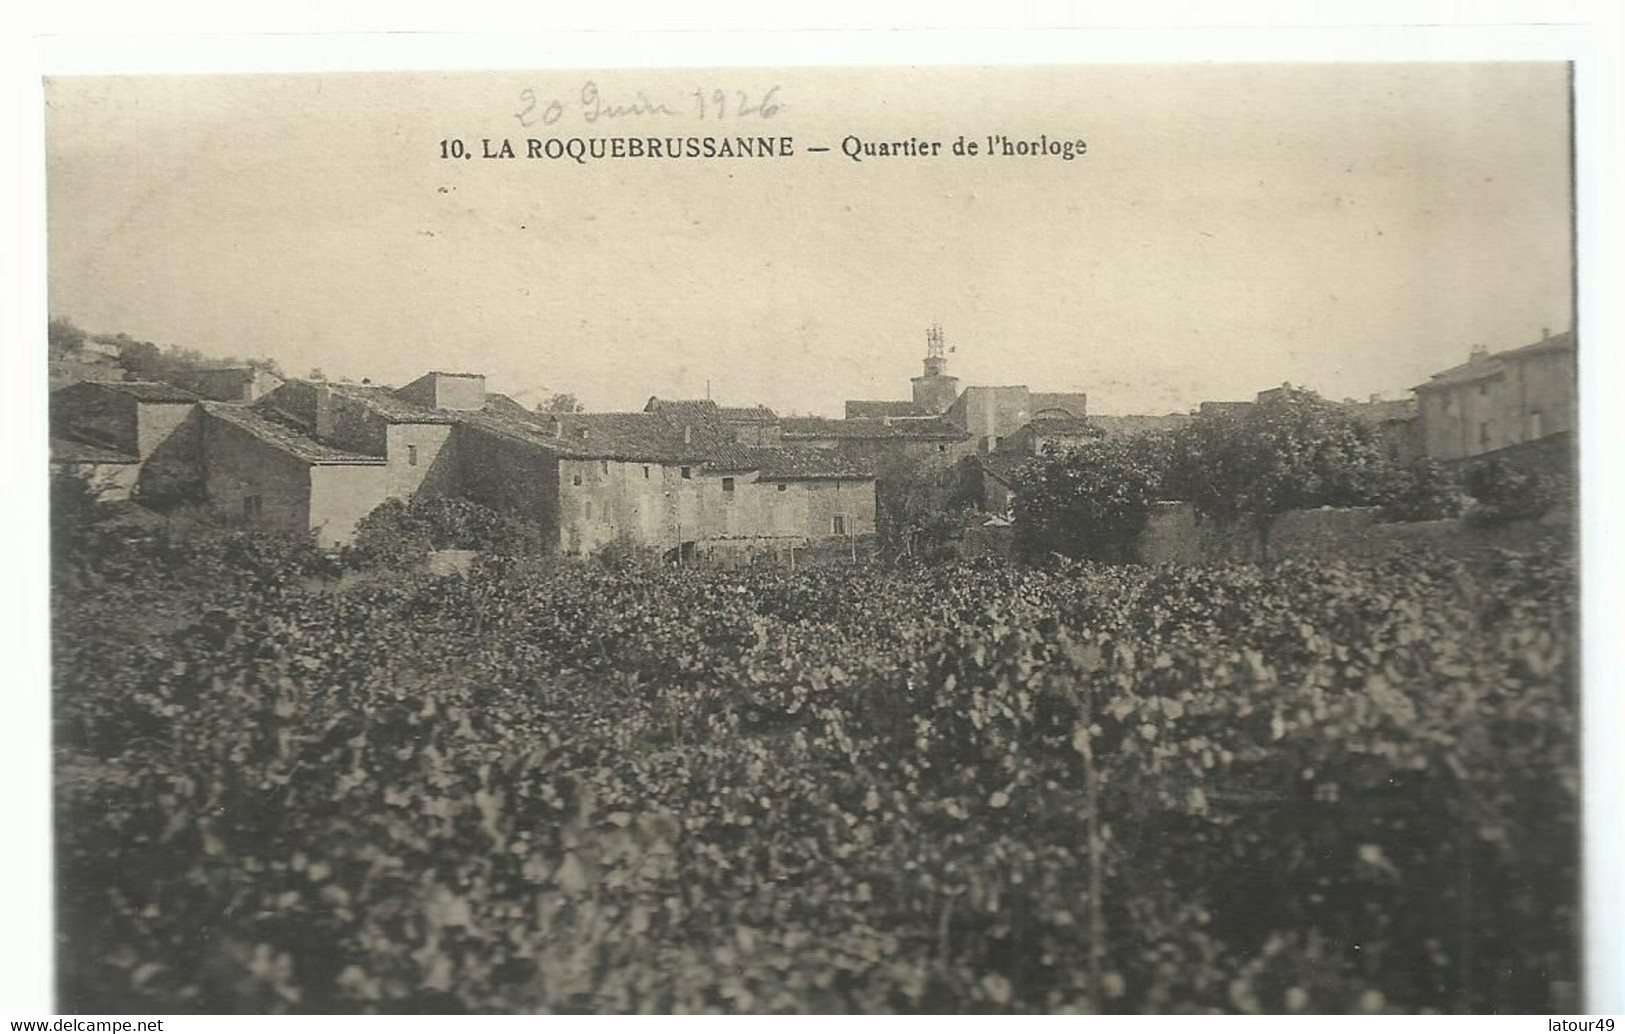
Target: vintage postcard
1027	538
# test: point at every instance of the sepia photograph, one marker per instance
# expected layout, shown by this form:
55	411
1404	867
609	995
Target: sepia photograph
1019	539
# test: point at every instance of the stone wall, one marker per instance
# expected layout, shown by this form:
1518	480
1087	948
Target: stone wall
342	494
238	467
602	500
512	476
1553	457
1174	535
1520	398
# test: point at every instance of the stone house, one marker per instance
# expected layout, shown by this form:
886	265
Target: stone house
747	425
919	442
137	439
987	414
991	414
268	471
1395	420
1497	400
1123	426
319	456
1046	433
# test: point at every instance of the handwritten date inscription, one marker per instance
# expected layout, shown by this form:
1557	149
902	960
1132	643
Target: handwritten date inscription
594	105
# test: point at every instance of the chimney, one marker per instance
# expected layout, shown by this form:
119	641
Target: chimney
688	434
1545	334
555	427
1478	354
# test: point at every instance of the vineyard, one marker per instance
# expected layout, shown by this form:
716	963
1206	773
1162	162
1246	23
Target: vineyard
1319	787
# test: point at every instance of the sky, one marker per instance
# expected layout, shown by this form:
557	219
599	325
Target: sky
1348	227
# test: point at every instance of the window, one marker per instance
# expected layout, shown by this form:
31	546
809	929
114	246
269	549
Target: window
1535	427
253	505
576	480
783	487
728	485
411	455
1483	388
645	473
942	448
688	473
587	508
1448	404
604	466
838	524
1484	432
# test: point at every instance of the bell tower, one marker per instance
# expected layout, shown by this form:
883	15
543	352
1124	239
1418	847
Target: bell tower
935	391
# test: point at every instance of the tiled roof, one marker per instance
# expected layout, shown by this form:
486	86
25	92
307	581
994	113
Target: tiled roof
1226	407
1073	402
1555	343
513	426
1003	465
73	450
810	428
634	435
1120	426
149	391
881	408
239	371
387	404
748	414
1059	425
1382	411
805	427
654	437
263	424
610	436
1466	373
795	464
693	409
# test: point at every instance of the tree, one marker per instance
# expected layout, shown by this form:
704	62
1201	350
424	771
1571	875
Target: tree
1504	493
1290	451
1424	491
63	337
142	359
921	508
1090	501
560	402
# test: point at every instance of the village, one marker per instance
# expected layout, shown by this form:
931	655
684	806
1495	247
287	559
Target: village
681	475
